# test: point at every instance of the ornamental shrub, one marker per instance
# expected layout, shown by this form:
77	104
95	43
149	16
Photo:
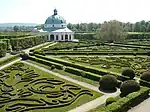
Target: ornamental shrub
129	73
129	86
110	100
146	76
108	82
52	67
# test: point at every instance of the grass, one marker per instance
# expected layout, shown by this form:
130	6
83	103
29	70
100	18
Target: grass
12	80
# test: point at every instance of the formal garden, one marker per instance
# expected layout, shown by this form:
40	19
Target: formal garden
95	74
26	88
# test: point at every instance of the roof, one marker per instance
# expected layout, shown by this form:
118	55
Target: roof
63	30
55	19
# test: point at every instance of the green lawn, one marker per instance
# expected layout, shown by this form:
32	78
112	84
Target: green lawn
24	87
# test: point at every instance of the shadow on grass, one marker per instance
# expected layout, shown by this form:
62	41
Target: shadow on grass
108	91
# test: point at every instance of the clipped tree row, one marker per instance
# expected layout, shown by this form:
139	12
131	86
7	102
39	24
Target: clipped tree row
3	49
27	42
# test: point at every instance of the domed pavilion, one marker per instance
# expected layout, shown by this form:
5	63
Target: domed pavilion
57	30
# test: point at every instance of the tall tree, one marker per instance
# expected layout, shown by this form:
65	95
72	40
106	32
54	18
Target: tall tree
112	31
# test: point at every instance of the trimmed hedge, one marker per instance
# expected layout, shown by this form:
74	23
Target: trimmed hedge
110	100
26	42
126	102
58	66
3	49
84	36
93	53
128	87
108	82
128	72
146	76
82	73
144	83
9	59
84	68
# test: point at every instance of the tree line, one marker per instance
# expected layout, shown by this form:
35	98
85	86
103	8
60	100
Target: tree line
141	26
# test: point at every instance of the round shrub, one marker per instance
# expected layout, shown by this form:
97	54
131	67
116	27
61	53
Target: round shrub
108	82
24	56
129	73
52	67
110	100
146	76
129	86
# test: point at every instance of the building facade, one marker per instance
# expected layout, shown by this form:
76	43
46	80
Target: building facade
56	28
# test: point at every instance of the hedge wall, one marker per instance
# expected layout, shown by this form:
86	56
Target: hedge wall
82	73
3	49
130	100
138	36
58	66
26	42
94	53
84	36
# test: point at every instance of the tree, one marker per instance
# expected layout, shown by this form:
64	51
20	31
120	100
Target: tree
112	31
148	27
108	82
16	28
129	86
146	76
129	73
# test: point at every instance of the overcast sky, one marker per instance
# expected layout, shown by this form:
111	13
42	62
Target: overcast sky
74	11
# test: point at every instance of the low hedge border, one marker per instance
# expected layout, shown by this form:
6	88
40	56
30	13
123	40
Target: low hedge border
144	83
58	66
84	68
4	61
126	102
94	53
82	73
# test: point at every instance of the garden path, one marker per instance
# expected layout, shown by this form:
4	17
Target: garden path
6	65
27	50
142	107
87	106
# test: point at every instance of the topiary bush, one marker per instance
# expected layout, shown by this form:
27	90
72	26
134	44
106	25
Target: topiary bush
129	73
146	76
110	100
108	82
52	67
129	86
24	56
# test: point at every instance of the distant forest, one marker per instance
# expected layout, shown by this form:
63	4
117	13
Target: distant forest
142	26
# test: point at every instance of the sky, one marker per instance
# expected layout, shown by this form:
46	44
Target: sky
74	11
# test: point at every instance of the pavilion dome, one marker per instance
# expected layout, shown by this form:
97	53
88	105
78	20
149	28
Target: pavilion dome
55	22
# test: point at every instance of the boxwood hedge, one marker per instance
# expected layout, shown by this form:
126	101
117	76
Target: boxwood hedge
126	102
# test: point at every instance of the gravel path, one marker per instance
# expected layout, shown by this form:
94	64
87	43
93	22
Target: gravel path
142	107
6	65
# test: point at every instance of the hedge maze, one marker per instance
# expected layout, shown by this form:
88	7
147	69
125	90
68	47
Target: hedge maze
25	89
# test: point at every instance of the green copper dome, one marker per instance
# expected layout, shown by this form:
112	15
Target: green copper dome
55	19
54	22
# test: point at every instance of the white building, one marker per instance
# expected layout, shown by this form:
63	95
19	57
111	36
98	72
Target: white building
56	28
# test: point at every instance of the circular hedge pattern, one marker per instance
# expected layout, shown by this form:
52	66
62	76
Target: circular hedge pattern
129	86
108	82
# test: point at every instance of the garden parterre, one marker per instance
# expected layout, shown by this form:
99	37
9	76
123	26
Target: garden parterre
25	88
